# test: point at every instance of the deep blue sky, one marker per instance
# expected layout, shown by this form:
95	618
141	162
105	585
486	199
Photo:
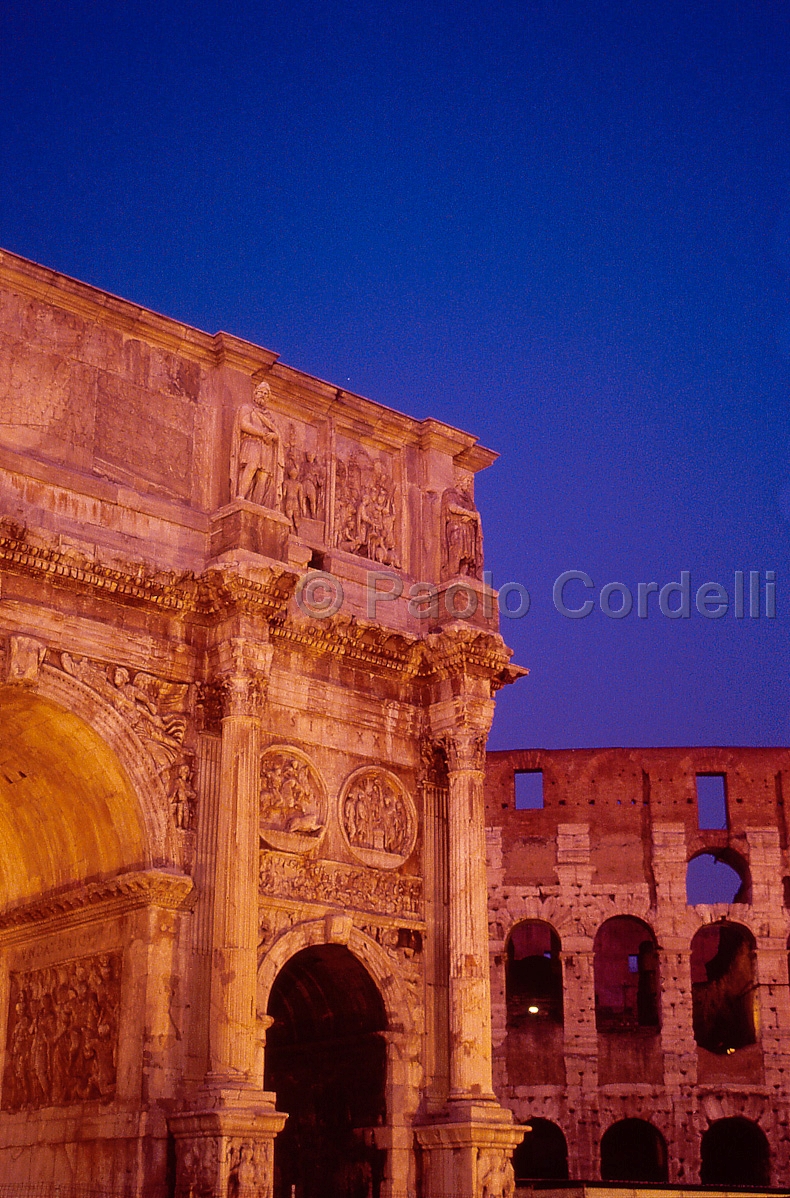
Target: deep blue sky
562	226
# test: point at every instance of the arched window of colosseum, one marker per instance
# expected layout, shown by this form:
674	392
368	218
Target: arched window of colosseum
542	1155
735	1152
721	877
723	986
533	978
626	975
633	1150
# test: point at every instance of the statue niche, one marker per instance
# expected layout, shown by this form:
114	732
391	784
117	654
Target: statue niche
257	466
293	801
462	536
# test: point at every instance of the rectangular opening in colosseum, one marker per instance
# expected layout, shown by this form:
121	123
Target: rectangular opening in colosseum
711	801
529	790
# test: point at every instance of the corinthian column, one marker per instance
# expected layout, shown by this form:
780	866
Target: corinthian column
232	1025
467	1147
469	983
225	1135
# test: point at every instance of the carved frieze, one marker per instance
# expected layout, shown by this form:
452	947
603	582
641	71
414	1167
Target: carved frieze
307	879
155	710
378	818
62	1036
293	800
366	512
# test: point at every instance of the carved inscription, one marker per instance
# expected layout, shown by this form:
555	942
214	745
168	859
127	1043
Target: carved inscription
365	510
305	879
378	818
62	1034
293	800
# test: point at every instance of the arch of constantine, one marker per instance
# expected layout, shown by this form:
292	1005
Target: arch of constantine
270	924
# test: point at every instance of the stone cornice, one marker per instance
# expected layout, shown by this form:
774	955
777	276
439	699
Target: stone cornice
215	593
460	648
262	593
100	900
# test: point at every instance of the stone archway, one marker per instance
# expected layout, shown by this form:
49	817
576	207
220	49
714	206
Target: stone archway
68	812
326	1059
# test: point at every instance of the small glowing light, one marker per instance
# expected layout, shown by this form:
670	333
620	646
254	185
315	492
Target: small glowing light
533	1010
730	1051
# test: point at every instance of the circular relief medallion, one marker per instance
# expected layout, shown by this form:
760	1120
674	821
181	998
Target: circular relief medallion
378	818
293	800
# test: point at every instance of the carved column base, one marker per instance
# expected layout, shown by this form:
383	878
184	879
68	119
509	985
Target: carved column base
469	1155
225	1145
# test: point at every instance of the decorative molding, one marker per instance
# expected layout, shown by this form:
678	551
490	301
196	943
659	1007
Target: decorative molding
102	899
216	593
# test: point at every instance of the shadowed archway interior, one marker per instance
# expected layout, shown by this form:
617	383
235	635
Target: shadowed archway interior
326	1061
68	812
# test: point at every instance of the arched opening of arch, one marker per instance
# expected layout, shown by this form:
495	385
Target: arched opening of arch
68	812
542	1155
633	1150
326	1060
735	1152
533	992
721	877
626	1001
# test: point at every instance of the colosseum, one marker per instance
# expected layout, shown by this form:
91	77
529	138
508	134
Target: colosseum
272	922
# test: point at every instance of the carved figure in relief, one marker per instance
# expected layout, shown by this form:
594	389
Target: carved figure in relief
363	889
244	1179
290	797
365	511
462	538
497	1177
378	818
62	1034
152	708
312	488
256	462
182	797
293	495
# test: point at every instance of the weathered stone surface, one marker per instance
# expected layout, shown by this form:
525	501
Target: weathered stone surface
213	788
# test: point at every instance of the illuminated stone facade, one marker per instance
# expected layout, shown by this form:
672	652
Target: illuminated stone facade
247	671
242	845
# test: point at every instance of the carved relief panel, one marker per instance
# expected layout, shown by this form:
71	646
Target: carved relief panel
154	709
62	1036
280	466
293	800
378	818
367	508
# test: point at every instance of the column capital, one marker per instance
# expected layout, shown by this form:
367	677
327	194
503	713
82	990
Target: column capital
460	725
242	669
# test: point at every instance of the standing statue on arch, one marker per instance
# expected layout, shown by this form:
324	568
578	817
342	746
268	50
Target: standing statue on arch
257	464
